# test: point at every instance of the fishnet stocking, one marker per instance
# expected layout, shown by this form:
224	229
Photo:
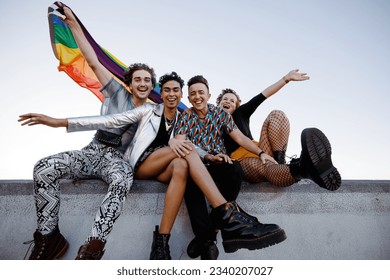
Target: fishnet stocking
275	132
277	174
274	137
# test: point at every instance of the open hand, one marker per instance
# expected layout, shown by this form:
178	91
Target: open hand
181	147
34	119
294	75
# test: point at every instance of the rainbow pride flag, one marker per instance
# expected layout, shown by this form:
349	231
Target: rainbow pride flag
72	62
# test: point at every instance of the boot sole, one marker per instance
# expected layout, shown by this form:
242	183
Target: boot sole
193	254
270	239
63	250
320	151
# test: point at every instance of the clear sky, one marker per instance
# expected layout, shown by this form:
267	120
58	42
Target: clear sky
245	45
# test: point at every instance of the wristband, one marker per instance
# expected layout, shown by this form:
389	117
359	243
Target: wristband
262	152
285	79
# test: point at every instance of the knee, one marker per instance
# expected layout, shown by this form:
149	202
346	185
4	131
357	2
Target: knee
193	152
37	167
180	164
278	114
120	171
43	164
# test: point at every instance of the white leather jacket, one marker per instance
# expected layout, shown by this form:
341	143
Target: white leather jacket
148	117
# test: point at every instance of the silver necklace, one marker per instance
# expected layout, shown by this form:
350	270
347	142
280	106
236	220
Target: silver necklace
169	123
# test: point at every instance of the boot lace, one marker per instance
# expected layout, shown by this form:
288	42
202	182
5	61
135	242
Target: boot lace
246	216
291	158
37	250
162	249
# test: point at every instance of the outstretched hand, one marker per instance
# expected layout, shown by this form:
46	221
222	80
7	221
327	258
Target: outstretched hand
34	119
294	75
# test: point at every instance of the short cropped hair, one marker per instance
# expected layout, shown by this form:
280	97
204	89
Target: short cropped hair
129	72
198	79
173	76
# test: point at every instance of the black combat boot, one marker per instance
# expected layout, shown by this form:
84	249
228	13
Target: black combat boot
160	246
49	246
207	250
315	162
240	230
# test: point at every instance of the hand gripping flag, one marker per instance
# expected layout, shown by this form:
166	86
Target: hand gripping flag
72	62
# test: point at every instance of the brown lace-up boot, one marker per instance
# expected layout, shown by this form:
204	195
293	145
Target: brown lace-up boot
92	250
49	246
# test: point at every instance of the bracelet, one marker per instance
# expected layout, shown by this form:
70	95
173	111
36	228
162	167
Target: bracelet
262	152
285	79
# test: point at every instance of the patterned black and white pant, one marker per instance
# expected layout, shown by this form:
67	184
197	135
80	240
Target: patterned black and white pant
93	161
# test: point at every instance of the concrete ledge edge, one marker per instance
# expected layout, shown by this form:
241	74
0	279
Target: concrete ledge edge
96	186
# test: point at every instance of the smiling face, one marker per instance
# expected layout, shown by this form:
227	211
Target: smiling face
228	102
171	94
198	95
141	84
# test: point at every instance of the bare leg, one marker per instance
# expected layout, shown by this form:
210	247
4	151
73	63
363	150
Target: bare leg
155	164
176	177
203	180
159	160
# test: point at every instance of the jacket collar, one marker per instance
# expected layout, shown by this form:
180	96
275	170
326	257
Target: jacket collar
159	109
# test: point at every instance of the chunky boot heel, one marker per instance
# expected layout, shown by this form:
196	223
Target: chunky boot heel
276	235
315	162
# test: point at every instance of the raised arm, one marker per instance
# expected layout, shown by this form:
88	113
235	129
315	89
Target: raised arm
86	49
293	75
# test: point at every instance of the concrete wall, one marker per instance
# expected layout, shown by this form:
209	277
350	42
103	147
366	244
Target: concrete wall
351	223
